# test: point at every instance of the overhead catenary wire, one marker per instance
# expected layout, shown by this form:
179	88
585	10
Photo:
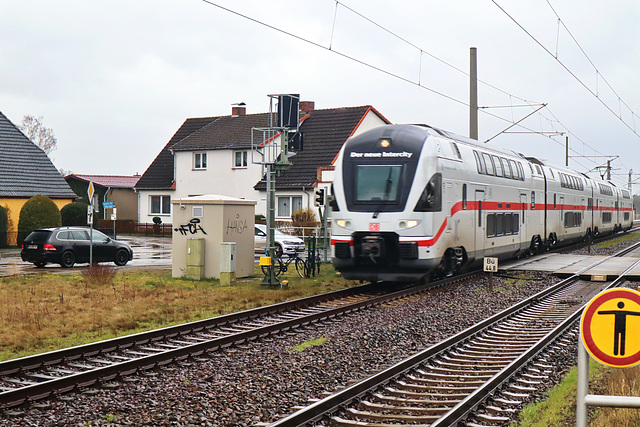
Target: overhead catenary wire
418	83
619	116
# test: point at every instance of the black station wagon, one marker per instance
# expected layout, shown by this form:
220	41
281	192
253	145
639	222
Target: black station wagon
69	245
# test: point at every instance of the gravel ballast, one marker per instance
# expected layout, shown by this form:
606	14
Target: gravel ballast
264	380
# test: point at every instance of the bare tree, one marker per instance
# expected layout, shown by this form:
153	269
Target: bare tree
40	135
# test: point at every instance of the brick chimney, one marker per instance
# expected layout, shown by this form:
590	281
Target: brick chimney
238	109
307	106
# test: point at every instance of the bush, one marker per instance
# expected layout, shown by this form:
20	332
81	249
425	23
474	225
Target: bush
157	220
4	227
74	214
39	211
303	221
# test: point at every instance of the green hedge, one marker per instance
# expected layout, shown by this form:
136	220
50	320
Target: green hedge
39	211
4	227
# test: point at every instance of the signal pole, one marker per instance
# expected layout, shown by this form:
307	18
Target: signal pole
473	94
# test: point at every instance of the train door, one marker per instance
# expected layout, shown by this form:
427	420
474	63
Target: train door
561	219
524	242
479	225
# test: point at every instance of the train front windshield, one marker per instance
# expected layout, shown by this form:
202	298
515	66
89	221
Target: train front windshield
378	183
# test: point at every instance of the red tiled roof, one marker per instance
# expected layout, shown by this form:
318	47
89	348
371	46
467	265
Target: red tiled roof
119	181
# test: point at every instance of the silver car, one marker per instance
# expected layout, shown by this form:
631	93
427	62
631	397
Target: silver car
289	245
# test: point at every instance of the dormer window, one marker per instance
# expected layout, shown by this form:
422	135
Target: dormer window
199	160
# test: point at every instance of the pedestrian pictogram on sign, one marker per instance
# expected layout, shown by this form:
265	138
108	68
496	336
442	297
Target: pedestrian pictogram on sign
610	327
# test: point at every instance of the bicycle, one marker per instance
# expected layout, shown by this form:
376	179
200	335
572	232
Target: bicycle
282	266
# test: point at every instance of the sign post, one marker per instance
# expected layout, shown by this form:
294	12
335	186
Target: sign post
90	192
610	332
490	266
110	205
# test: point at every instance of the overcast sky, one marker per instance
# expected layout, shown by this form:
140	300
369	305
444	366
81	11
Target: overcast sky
116	79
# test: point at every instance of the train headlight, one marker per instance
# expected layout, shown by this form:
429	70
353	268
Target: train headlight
384	143
343	223
408	224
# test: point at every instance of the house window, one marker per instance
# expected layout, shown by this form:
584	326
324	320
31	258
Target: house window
161	205
240	159
287	205
199	160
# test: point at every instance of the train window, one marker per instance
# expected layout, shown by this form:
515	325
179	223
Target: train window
626	216
572	219
491	225
502	224
580	184
431	197
499	224
606	217
521	171
498	165
479	162
378	183
554	200
625	194
506	168
455	149
552	175
538	170
479	212
508	224
488	164
464	196
533	200
333	202
589	204
514	170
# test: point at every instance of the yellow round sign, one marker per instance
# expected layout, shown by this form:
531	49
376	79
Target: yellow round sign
610	327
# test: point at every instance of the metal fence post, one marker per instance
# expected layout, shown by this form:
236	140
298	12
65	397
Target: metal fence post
582	386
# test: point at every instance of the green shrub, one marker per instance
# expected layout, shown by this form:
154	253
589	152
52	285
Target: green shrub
74	214
39	211
157	220
4	227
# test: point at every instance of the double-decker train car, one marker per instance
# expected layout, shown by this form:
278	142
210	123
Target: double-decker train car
411	201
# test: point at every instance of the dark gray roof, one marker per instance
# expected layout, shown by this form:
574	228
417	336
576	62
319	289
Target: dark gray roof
26	170
159	175
226	132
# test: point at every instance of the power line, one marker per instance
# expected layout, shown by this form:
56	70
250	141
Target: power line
331	49
571	72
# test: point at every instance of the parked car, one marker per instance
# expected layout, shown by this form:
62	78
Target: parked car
69	245
285	243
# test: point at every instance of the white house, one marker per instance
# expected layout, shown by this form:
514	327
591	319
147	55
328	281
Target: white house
213	156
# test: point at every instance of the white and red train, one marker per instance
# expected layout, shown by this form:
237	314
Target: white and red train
412	200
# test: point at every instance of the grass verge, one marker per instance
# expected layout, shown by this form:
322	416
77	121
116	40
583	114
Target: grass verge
45	312
559	407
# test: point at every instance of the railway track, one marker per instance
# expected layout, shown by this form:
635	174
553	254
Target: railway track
46	375
449	381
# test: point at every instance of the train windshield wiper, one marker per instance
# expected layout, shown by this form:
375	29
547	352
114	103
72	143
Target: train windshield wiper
385	197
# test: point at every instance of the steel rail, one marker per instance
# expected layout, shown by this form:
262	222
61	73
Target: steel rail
82	379
472	401
332	403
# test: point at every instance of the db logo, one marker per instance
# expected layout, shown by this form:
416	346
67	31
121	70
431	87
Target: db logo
374	226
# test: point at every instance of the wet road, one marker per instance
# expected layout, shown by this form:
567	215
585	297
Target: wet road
148	252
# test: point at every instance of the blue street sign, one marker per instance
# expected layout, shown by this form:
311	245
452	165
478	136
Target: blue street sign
107	205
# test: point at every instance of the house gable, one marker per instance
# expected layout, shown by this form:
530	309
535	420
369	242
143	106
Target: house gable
159	175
